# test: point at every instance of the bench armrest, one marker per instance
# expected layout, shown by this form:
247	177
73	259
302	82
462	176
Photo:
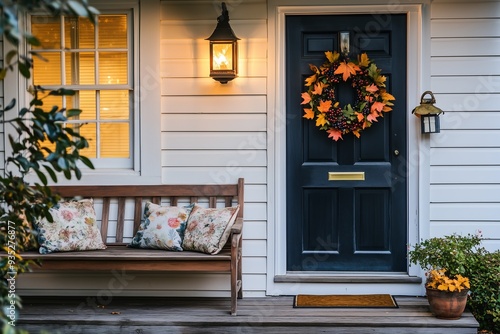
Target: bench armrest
237	226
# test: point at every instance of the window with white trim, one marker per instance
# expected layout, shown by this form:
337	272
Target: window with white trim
96	61
119	95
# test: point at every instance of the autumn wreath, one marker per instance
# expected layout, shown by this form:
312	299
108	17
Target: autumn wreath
320	103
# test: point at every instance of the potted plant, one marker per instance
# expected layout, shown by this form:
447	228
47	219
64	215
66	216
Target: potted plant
445	260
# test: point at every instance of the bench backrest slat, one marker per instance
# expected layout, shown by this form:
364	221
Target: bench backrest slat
230	194
105	218
137	212
120	220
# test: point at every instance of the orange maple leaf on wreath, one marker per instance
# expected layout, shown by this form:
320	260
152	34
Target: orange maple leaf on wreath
310	80
347	69
334	134
377	106
371	89
318	88
324	106
360	116
308	113
372	117
306	97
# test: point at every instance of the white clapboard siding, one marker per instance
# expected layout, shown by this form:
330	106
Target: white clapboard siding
464	28
211	175
208	86
465	65
464	211
464	157
455	174
254	265
183	9
470	121
468	102
486	229
463	84
443	47
198	140
97	285
255	230
213	122
465	9
212	104
201	29
213	158
467	138
465	193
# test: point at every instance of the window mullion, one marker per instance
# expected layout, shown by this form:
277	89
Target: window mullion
63	59
98	124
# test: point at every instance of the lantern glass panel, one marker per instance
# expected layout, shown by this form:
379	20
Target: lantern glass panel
222	56
430	124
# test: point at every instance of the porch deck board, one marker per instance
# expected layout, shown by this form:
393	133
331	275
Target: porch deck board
209	315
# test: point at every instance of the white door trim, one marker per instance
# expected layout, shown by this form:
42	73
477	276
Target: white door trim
418	74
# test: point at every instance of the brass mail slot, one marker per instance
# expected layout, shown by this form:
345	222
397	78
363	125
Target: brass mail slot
346	176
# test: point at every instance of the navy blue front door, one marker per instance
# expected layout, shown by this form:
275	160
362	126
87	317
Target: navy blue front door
346	225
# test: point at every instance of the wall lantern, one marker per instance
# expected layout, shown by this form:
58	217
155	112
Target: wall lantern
428	113
223	50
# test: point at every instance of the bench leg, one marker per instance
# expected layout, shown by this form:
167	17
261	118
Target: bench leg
234	291
236	274
240	276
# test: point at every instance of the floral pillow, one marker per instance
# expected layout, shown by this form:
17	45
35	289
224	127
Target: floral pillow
207	230
74	228
163	227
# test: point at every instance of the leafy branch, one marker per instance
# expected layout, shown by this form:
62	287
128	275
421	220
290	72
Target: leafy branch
43	143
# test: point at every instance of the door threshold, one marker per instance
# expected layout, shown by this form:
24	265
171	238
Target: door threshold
346	277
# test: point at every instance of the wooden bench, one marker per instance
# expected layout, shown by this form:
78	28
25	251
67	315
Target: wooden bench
118	256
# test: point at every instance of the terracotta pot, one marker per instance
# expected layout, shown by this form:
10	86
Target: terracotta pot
447	305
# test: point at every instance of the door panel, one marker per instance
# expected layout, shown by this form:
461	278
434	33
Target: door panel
346	225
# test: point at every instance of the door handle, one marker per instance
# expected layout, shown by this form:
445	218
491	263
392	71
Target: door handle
396	152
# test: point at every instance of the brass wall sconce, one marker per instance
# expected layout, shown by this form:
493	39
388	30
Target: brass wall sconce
428	114
223	50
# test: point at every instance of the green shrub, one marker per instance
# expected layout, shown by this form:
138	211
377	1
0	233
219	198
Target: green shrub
484	299
464	255
452	252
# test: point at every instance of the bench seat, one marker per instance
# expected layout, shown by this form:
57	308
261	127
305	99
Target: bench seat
117	256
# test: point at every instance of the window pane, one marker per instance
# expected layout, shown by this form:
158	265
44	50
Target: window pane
80	68
112	31
88	130
114	105
47	72
50	101
114	140
86	101
48	30
113	68
78	33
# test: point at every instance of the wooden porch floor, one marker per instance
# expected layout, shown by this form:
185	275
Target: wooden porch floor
211	315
